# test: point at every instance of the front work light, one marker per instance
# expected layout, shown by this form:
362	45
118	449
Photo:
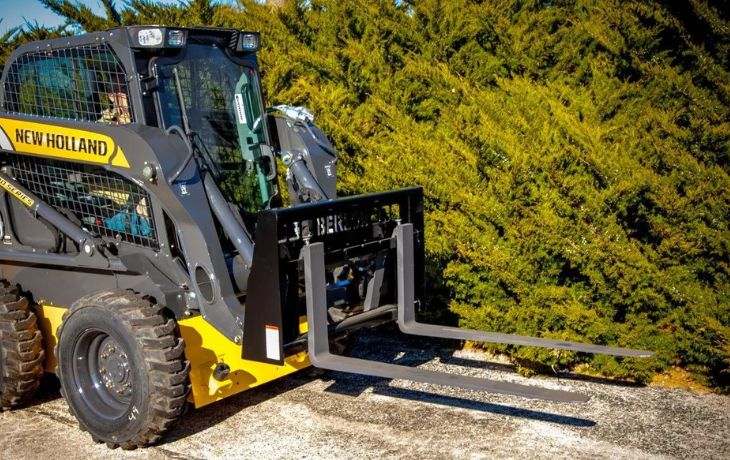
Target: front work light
149	37
249	41
175	38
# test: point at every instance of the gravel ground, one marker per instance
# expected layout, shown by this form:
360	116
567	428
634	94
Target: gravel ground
316	414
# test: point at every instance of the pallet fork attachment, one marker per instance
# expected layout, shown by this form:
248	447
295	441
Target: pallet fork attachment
320	355
318	338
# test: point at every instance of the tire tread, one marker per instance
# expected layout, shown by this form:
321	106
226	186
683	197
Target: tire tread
22	345
164	354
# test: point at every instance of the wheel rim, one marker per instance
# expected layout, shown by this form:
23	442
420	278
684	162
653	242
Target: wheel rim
102	374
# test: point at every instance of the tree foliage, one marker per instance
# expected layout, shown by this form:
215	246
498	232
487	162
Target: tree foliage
574	154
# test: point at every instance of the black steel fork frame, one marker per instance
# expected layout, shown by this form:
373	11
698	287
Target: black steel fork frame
272	301
282	249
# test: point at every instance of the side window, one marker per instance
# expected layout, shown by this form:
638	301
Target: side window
83	83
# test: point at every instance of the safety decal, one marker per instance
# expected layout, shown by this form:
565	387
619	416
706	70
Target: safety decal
240	110
13	190
272	343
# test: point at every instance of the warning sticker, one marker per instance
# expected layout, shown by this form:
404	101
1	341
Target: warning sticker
25	199
272	343
240	110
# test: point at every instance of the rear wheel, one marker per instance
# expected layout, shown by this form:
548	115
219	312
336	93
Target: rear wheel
21	349
122	368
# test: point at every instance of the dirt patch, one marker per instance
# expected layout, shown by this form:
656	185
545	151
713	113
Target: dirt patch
679	378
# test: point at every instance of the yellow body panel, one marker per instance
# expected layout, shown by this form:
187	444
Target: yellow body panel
303	325
204	348
49	318
60	142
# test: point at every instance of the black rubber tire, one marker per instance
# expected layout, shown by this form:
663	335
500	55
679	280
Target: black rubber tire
153	360
21	349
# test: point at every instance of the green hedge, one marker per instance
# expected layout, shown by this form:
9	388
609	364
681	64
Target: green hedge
574	157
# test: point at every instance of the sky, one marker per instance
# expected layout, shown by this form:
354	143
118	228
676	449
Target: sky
13	12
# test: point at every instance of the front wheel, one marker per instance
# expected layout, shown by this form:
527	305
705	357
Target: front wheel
122	368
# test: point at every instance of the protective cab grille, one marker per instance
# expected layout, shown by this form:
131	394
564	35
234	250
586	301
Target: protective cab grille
104	203
82	83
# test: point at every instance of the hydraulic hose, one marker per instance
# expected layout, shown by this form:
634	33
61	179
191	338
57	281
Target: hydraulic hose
179	131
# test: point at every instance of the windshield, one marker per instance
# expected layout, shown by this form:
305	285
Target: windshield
208	81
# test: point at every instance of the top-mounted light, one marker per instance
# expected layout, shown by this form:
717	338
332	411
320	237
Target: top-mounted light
175	38
149	37
249	41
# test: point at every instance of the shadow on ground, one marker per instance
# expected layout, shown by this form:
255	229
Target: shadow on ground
386	346
410	351
197	420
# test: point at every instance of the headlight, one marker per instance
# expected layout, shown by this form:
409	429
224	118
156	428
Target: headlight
175	38
149	37
249	41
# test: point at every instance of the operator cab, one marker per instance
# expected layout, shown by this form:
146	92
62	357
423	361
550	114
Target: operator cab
205	84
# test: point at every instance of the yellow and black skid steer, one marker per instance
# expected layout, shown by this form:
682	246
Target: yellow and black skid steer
146	257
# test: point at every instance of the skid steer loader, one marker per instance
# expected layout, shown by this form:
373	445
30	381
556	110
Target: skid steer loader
145	255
